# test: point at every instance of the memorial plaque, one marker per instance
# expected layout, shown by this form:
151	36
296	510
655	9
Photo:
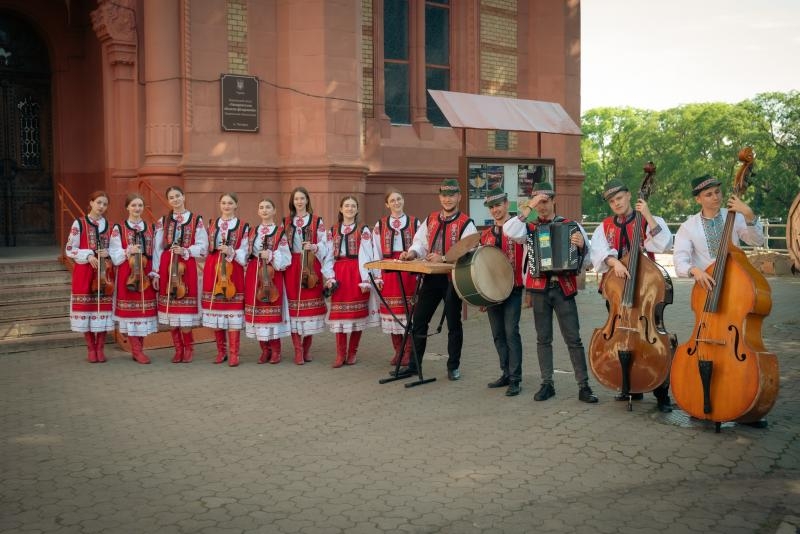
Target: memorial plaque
239	107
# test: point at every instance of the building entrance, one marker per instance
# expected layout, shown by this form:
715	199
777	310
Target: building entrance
26	141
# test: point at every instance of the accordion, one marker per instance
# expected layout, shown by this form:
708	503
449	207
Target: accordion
551	250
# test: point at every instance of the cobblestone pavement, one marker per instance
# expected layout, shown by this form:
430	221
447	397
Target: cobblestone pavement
126	448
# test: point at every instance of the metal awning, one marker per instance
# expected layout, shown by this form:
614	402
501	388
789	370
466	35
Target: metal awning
481	112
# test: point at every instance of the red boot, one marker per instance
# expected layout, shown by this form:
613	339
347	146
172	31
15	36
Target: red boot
341	349
266	348
397	340
99	343
177	340
188	347
92	351
297	341
234	337
276	351
352	348
406	352
137	349
307	348
219	336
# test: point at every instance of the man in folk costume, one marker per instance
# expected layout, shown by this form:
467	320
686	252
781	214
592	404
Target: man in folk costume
436	235
504	316
698	238
606	253
552	293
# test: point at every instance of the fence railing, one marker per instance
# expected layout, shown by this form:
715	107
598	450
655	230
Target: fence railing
774	235
68	211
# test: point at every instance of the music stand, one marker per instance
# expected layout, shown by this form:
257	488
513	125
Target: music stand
420	269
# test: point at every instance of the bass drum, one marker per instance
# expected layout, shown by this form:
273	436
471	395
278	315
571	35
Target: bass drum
483	277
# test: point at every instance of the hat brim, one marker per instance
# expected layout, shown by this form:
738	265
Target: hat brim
449	193
702	187
494	203
608	194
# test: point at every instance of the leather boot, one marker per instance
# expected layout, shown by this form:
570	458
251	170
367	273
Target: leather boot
297	341
91	351
265	350
406	361
188	347
234	337
219	336
99	343
177	340
397	340
276	351
352	347
307	348
341	349
137	349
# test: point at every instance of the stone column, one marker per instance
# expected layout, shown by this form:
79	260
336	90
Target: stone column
416	44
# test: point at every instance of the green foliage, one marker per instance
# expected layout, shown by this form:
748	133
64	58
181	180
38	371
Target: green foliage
689	141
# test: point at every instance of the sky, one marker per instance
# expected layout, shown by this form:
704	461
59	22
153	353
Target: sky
658	54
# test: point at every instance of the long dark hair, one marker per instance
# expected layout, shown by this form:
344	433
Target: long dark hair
303	190
341	203
174	188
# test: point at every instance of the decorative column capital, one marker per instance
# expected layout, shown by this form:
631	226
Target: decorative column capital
115	20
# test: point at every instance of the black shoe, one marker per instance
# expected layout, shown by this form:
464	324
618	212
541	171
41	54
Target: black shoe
453	374
634	396
404	372
499	383
757	424
664	405
545	392
513	389
585	395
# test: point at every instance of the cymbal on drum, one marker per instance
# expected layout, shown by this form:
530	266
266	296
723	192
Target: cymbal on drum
462	247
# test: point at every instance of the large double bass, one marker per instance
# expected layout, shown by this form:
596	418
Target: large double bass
724	372
632	352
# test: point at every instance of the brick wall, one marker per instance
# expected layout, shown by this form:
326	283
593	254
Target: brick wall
237	36
498	55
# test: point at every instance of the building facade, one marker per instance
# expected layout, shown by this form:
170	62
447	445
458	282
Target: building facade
125	95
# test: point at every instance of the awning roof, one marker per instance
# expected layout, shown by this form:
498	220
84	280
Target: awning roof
466	110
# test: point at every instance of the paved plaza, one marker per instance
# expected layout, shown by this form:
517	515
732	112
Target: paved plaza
163	448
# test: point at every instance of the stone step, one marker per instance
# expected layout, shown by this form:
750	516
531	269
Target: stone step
32	327
9	267
36	278
31	294
36	310
44	342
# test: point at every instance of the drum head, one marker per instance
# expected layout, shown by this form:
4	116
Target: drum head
484	276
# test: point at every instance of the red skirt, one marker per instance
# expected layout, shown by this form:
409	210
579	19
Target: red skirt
256	310
304	303
348	302
83	298
235	279
186	305
391	290
134	304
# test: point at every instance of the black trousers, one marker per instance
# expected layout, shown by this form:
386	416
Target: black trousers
435	289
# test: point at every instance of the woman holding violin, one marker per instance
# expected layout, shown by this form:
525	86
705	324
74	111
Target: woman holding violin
305	233
352	309
180	239
223	278
394	234
266	310
131	250
92	277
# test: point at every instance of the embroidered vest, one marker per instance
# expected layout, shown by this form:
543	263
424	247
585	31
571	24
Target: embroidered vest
309	231
621	240
95	239
495	237
386	234
234	235
268	242
185	231
131	236
351	242
450	231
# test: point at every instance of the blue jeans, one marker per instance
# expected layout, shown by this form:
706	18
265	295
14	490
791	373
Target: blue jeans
551	300
504	321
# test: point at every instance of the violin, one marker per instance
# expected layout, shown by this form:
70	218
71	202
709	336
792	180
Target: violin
137	280
309	278
724	372
177	269
104	281
266	291
223	285
632	352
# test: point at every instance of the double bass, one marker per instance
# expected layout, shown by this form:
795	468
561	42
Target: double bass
632	352
724	372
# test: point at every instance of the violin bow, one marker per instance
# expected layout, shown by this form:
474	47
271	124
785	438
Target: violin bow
255	293
140	239
302	266
216	273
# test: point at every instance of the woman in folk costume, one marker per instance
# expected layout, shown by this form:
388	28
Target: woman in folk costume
180	239
266	310
223	278
350	311
92	277
131	250
306	235
393	234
